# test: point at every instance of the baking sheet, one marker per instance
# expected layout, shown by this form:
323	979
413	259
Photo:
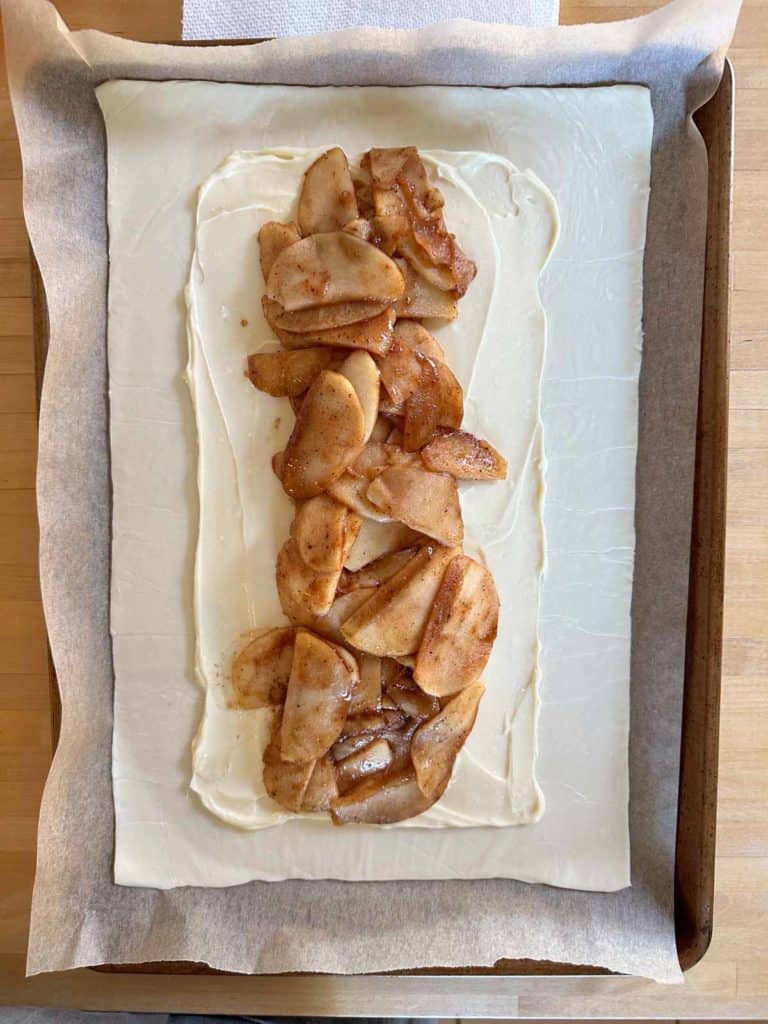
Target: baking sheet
592	147
79	916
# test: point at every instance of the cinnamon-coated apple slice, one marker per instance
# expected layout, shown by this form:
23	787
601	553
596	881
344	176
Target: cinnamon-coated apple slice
327	199
322	787
318	318
462	627
410	698
287	374
285	781
304	592
273	238
372	334
436	743
261	668
366	695
377	539
413	335
381	800
343	605
328	435
363	374
425	501
331	268
376	572
421	299
324	531
369	760
464	456
392	622
316	701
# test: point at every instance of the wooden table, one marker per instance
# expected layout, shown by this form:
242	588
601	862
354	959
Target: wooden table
732	980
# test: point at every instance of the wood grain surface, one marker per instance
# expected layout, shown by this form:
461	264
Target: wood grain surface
732	980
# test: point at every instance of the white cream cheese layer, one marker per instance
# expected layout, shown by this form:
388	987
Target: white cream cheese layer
506	221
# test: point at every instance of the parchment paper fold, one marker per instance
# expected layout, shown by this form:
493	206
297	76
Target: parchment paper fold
79	916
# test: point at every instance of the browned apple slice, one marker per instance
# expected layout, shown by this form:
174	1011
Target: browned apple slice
327	198
425	501
326	438
318	319
413	335
451	410
277	464
285	781
439	276
371	335
381	800
381	430
440	252
261	668
422	299
388	231
316	701
400	369
377	572
322	787
363	193
362	228
396	437
377	539
411	700
350	491
331	268
283	374
372	724
464	456
373	758
461	629
324	532
392	621
304	593
273	238
366	695
436	743
329	625
423	407
363	374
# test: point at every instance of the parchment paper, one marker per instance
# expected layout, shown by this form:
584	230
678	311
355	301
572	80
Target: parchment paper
79	917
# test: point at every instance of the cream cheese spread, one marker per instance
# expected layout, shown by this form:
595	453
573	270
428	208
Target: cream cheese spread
506	220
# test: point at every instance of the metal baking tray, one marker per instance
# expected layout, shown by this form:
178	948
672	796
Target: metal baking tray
697	805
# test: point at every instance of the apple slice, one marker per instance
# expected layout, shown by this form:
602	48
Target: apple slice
261	668
377	539
369	760
422	299
327	198
423	407
393	620
381	430
462	627
425	501
289	325
464	456
413	335
411	700
366	695
304	593
372	335
285	781
273	238
326	438
372	724
350	491
381	800
363	374
316	701
376	572
436	743
322	787
330	268
324	532
285	374
362	228
329	625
